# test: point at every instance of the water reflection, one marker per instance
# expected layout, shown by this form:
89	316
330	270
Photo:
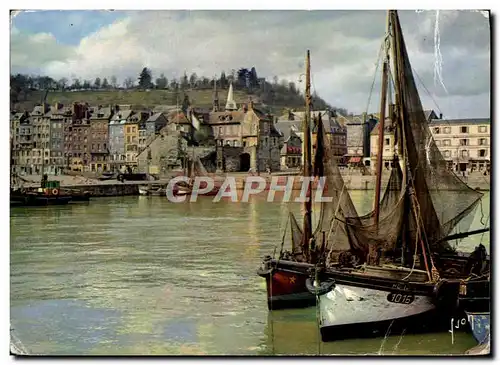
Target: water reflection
296	332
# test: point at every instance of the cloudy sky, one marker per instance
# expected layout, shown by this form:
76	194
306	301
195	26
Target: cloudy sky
344	48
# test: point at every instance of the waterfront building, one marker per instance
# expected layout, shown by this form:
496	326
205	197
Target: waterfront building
22	143
291	152
250	129
40	153
464	143
80	139
117	156
358	140
131	141
151	128
335	132
59	114
99	138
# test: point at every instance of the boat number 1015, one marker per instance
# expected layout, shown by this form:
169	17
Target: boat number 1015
400	298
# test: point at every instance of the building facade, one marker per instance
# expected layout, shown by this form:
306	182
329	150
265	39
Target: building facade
22	143
99	139
57	115
291	150
464	143
40	122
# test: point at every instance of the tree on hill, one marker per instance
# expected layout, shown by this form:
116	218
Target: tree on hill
97	83
128	83
184	81
223	80
86	85
145	78
193	79
242	80
63	83
76	84
114	82
105	84
161	82
253	79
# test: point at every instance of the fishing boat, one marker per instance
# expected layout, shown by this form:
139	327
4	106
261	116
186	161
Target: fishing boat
397	270
47	194
286	274
475	300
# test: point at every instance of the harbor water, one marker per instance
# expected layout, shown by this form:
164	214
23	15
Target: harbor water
144	276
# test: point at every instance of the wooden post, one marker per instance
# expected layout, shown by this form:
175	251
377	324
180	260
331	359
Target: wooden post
381	124
307	229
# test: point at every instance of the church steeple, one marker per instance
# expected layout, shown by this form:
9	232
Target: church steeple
216	97
230	103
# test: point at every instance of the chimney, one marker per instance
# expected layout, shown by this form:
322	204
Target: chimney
117	108
440	115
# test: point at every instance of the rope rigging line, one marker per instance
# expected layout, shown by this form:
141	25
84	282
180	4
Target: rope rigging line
283	237
377	64
428	92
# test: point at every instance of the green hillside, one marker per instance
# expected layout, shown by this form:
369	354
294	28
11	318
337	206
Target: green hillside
26	91
137	98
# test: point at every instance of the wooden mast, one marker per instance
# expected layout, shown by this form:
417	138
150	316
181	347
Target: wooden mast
381	125
306	127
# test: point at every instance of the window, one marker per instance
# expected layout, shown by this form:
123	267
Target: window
447	130
128	129
482	129
482	141
464	142
464	153
482	153
436	130
464	129
438	143
446	142
387	141
220	130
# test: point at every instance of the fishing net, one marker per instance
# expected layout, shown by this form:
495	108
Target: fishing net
442	198
424	200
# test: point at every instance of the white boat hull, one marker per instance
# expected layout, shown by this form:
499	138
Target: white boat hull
346	308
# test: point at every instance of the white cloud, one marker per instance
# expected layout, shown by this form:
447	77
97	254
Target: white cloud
344	46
